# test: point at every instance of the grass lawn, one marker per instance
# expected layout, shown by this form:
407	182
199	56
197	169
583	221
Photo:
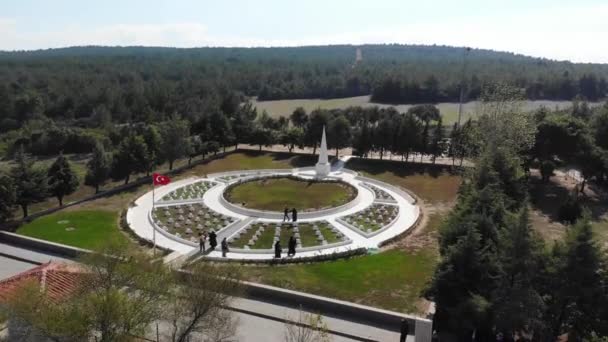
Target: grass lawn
277	193
433	183
391	280
84	229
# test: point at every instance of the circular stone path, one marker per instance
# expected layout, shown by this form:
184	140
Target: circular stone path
184	208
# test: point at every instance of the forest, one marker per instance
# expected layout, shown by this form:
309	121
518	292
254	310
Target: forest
143	83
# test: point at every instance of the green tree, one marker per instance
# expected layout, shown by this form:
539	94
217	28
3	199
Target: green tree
30	182
312	134
262	137
131	157
339	133
383	136
299	118
408	135
362	140
437	142
221	130
98	168
292	137
154	145
518	302
175	134
577	286
62	179
459	288
7	197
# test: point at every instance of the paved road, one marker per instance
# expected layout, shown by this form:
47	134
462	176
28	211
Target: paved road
29	255
10	267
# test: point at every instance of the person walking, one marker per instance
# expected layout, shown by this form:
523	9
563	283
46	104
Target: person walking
405	330
277	249
286	215
294	215
224	247
291	248
212	240
201	242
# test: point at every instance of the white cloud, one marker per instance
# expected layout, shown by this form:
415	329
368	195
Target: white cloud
576	34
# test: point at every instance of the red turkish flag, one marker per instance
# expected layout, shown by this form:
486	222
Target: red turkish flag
160	179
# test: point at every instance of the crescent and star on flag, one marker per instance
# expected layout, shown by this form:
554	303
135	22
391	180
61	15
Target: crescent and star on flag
160	179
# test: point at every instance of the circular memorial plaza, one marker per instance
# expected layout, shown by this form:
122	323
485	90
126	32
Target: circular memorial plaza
337	211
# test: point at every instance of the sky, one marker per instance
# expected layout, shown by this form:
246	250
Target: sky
562	30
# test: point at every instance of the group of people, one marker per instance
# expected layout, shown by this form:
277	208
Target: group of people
294	215
212	242
291	248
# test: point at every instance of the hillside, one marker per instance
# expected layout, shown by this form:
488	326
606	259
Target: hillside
391	73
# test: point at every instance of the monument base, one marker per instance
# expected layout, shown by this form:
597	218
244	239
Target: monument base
322	169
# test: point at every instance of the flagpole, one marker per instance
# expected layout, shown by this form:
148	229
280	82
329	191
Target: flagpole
153	228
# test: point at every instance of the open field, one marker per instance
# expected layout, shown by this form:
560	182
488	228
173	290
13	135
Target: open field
278	193
433	183
449	110
84	229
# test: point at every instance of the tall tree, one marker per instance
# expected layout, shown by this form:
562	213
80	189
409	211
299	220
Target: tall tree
339	133
312	134
154	145
7	197
175	135
98	168
62	179
30	182
299	118
437	143
131	157
292	137
518	302
578	286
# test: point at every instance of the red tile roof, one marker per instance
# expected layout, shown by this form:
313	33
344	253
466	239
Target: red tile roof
58	280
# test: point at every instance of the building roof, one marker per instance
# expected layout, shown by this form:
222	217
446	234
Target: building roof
58	280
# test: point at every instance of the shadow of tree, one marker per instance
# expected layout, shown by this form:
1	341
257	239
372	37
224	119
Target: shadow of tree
548	197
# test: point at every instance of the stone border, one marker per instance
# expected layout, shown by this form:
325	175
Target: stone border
345	242
275	215
374	233
179	239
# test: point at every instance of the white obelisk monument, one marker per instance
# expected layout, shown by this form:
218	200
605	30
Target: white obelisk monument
323	167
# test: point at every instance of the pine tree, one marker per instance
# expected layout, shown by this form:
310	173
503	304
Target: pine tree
577	287
30	182
62	179
517	302
98	168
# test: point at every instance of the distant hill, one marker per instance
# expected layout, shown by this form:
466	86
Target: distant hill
391	73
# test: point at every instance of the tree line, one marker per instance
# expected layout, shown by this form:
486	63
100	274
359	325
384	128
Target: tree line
94	86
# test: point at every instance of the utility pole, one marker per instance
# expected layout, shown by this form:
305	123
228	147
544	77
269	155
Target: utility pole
462	80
